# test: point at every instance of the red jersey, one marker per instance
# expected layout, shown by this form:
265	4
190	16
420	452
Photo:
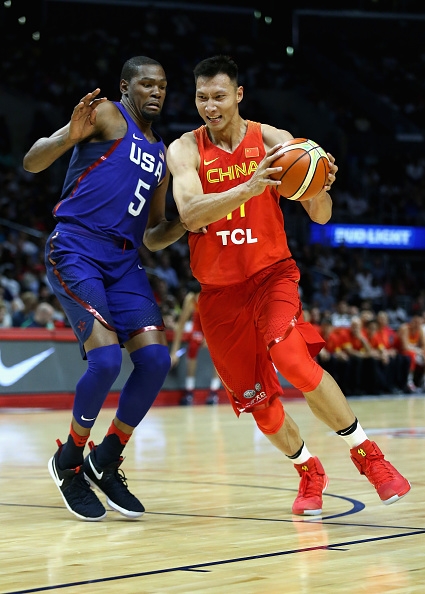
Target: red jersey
349	340
250	238
335	340
384	338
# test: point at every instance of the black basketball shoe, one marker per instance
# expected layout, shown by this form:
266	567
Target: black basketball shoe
110	480
79	498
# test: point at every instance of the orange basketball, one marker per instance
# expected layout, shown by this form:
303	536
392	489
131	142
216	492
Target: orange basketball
305	167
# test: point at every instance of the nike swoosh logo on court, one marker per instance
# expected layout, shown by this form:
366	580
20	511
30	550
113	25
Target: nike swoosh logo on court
98	475
137	138
11	375
209	162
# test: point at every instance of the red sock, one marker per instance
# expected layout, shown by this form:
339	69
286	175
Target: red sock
123	437
79	440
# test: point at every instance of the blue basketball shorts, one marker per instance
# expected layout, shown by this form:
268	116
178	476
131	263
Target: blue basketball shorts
95	278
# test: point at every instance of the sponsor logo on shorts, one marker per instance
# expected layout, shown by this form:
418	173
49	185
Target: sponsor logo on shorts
249	394
258	398
254	396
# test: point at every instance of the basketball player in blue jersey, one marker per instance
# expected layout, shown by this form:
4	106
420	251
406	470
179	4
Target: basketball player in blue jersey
113	199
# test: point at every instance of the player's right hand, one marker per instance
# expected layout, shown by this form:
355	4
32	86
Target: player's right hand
83	117
261	178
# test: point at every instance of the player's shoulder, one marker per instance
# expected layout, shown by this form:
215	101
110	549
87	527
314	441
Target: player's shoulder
110	122
183	145
272	135
187	138
107	109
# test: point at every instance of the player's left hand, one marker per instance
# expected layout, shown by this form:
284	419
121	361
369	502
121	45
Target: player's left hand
332	172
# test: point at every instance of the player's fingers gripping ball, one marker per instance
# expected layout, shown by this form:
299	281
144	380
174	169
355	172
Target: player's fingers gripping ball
305	168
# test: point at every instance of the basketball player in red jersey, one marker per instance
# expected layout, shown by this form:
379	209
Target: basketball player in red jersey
196	340
249	303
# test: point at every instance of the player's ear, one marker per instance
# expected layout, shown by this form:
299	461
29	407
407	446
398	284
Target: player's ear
123	86
239	94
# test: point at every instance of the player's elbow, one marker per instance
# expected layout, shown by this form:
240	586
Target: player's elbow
28	165
321	219
188	220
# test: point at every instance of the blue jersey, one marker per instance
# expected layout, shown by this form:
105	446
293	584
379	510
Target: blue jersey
109	185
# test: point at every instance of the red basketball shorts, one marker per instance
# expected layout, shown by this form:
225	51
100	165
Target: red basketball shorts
240	322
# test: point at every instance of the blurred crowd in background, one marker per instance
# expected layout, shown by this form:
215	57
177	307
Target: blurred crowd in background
347	85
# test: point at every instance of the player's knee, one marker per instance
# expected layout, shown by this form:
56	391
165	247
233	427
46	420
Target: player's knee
105	361
270	419
154	357
293	360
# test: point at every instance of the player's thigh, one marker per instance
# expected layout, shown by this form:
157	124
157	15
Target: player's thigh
278	306
237	348
134	308
83	299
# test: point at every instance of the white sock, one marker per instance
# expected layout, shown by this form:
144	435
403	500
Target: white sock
215	384
356	438
190	384
303	457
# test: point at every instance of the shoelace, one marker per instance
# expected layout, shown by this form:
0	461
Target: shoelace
309	485
378	470
121	477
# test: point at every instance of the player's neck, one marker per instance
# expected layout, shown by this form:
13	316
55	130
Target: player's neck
144	126
231	136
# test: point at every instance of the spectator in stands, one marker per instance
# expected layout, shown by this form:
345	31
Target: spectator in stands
43	317
387	341
412	341
24	306
363	375
165	271
368	288
383	380
333	357
341	317
9	283
397	313
5	317
166	301
324	298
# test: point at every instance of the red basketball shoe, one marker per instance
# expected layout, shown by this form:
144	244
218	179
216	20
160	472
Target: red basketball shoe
388	482
314	482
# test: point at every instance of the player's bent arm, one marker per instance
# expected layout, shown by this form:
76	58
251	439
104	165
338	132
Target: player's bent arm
319	208
85	123
160	232
46	150
196	209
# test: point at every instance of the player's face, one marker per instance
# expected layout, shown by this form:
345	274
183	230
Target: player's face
147	91
217	100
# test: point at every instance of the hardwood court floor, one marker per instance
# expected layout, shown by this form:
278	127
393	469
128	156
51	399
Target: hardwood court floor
218	498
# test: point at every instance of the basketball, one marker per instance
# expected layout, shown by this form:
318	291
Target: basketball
305	167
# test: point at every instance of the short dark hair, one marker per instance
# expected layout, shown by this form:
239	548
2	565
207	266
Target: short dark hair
217	65
131	67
